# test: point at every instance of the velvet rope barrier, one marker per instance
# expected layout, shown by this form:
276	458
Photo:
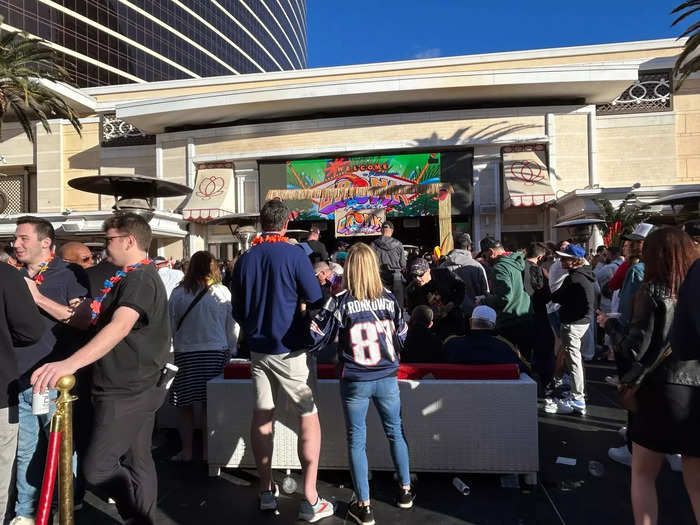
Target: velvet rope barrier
47	485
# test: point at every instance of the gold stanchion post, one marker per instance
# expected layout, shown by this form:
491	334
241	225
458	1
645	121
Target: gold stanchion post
65	465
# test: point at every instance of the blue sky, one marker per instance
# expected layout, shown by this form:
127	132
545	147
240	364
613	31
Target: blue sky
361	31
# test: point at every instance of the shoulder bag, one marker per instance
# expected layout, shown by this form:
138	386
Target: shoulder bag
192	305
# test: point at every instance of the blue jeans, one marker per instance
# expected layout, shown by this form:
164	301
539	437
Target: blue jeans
355	396
32	442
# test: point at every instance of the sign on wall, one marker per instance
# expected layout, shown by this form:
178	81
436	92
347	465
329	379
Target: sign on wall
349	222
370	171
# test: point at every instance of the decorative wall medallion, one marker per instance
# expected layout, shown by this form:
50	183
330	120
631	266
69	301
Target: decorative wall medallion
210	187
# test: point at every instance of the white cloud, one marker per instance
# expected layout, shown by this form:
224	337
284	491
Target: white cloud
428	53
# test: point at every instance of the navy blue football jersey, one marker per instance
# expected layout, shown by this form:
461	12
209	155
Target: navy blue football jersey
370	334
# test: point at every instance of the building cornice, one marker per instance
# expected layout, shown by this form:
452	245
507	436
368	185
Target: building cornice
485	58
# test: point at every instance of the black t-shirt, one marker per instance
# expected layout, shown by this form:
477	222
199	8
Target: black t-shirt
98	274
20	325
62	282
134	364
319	248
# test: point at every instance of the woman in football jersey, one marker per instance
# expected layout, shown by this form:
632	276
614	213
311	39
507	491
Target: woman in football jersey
370	327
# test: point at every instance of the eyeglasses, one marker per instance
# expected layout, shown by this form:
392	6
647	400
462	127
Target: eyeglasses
418	274
107	240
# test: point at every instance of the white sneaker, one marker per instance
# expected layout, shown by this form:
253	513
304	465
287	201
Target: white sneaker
560	406
621	454
675	462
313	513
21	520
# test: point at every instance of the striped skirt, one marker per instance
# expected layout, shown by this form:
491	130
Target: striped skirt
195	369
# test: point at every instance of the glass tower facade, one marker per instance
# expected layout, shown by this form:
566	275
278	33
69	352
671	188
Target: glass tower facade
103	42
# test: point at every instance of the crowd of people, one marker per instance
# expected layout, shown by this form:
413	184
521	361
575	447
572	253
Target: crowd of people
130	326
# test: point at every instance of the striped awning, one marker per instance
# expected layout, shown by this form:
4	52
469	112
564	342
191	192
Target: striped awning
214	194
525	175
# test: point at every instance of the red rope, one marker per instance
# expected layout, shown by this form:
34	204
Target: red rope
44	510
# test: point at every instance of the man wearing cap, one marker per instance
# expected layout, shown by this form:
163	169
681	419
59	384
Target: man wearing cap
576	297
170	277
461	263
481	345
392	259
441	291
635	272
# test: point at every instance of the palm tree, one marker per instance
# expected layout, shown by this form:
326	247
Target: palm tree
621	219
24	63
689	61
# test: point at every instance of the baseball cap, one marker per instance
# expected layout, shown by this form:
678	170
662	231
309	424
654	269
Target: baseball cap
485	313
572	251
640	232
159	258
419	267
388	225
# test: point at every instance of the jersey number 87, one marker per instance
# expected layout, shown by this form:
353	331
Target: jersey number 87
364	338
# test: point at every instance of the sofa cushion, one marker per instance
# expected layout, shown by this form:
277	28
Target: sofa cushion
241	370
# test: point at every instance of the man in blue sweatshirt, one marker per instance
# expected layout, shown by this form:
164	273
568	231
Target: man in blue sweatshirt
269	282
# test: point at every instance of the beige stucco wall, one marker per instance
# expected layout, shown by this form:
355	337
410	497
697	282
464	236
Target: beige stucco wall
386	130
81	158
49	168
174	169
570	152
15	146
636	148
687	108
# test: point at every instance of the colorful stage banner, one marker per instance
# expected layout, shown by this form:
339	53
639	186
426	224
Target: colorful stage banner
354	172
350	223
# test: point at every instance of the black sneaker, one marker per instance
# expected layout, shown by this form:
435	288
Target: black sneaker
405	498
362	515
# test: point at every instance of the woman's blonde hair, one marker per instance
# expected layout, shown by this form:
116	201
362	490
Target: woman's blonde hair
362	273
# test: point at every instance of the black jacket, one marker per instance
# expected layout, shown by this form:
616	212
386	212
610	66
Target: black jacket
318	248
421	346
640	345
390	253
537	287
21	325
576	296
685	333
482	347
443	288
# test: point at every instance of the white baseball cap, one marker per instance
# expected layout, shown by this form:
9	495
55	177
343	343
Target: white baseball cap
485	313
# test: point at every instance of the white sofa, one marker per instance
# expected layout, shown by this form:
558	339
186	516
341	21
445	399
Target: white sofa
450	426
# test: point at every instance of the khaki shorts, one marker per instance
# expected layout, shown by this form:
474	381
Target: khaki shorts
295	372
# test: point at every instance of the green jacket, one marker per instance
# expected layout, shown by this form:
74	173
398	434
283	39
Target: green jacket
508	296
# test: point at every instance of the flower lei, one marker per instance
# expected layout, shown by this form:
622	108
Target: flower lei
39	276
109	284
269	238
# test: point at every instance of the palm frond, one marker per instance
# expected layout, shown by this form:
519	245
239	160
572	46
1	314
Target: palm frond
687	62
23	61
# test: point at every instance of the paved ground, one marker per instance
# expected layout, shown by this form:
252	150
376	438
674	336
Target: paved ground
565	494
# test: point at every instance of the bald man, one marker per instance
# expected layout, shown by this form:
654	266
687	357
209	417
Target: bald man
77	253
